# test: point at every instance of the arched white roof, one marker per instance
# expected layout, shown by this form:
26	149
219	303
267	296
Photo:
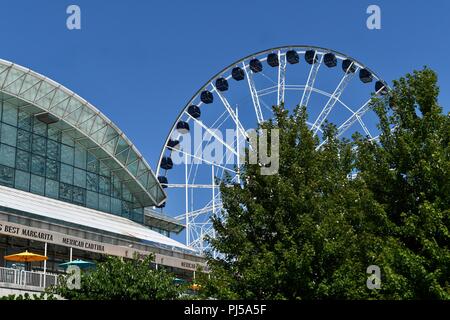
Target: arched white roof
86	124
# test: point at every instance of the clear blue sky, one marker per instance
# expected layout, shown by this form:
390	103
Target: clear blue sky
140	61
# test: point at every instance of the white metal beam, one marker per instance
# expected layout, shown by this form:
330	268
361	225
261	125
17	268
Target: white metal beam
311	79
253	93
333	99
281	77
233	115
355	116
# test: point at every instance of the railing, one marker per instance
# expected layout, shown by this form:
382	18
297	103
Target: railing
27	278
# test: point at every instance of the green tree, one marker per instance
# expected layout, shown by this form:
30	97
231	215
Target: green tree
116	279
310	231
408	174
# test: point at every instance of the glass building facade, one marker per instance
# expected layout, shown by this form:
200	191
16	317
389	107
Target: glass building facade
38	158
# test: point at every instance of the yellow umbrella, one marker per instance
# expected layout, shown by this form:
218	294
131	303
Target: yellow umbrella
26	257
195	287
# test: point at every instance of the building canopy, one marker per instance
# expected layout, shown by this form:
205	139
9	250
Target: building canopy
53	103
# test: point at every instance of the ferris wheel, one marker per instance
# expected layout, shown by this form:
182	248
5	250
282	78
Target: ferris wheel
205	140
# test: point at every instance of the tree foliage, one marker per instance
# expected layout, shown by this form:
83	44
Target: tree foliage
310	231
116	279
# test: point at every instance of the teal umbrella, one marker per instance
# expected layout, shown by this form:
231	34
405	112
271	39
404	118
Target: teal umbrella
179	281
79	263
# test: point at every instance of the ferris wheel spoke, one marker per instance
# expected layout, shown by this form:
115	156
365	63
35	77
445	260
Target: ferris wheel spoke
212	133
254	94
230	111
334	98
197	186
203	160
230	156
376	138
281	78
199	212
363	125
311	125
195	213
355	116
311	79
200	145
268	78
267	91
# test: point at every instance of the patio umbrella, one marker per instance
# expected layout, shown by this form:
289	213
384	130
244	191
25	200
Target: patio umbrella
79	263
179	281
26	257
195	287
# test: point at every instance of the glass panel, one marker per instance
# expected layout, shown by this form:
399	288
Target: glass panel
132	157
30	87
80	157
79	178
72	116
110	134
92	199
23	160
52	149
123	156
98	124
37	184
126	209
65	191
104	170
104	203
13	76
52	169
142	170
87	125
39	145
51	188
24	121
66	173
7	155
92	181
60	108
116	187
15	86
116	206
54	133
23	140
6	176
9	134
99	134
92	163
143	179
44	89
126	193
110	145
29	82
59	97
39	127
121	146
67	154
104	185
86	114
133	168
9	113
38	165
44	102
66	139
79	195
22	180
72	106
